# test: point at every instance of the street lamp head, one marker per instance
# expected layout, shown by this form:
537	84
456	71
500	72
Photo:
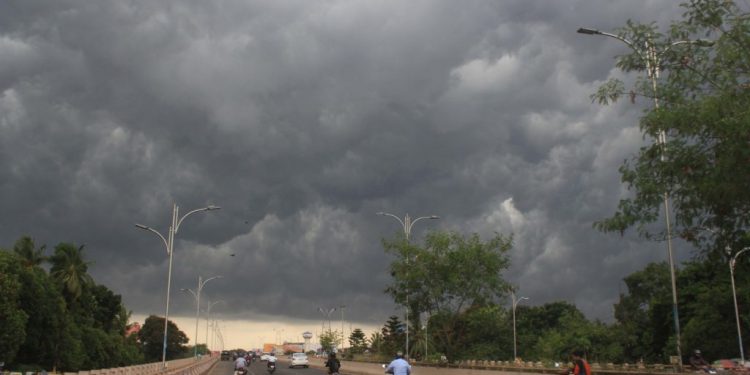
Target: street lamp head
212	207
523	298
434	217
141	226
587	31
380	213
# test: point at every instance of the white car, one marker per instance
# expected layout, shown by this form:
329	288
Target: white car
264	357
299	359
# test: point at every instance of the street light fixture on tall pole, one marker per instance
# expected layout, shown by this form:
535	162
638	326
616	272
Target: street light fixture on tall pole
197	296
652	58
209	305
515	303
169	244
327	313
407	223
732	264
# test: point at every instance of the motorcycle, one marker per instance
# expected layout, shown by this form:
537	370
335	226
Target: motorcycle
240	371
271	367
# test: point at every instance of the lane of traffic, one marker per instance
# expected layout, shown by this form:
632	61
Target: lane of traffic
282	368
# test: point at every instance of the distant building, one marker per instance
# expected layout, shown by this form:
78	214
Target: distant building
294	347
132	329
308	343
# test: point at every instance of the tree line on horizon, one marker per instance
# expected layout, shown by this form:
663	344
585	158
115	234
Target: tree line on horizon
60	319
459	308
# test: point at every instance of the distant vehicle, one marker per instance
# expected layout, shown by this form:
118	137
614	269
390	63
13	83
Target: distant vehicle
734	364
264	356
225	356
299	359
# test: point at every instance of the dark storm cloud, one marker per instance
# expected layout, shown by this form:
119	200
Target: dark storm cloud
303	119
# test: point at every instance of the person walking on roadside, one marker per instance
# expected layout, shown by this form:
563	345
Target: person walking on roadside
399	366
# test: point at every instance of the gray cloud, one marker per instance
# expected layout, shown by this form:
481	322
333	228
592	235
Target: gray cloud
302	119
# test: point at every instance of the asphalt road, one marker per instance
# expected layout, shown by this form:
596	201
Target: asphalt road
259	368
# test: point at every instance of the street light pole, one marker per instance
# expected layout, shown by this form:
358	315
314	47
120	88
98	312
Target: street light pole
327	314
732	264
652	58
197	296
407	223
169	243
342	307
209	305
515	303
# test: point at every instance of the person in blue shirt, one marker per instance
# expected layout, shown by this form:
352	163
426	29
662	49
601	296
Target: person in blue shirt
398	366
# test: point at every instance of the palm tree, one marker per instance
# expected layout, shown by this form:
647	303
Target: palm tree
376	342
69	269
30	256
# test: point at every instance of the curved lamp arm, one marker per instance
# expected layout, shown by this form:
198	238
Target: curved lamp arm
395	217
152	230
209	208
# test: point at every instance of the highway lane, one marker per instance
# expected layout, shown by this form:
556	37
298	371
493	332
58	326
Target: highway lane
259	368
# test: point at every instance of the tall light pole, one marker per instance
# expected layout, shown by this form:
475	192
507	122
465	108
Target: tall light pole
220	336
197	295
515	303
407	223
169	244
732	264
652	58
209	305
327	314
342	307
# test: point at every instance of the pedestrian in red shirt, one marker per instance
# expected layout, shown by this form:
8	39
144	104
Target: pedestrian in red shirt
580	366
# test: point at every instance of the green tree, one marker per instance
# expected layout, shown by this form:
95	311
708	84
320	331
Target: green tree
48	325
328	340
704	98
130	351
706	302
488	333
445	277
393	334
106	309
550	331
12	331
31	255
644	319
644	314
70	270
357	341
376	342
67	347
151	336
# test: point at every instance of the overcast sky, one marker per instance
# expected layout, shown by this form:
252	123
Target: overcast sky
302	119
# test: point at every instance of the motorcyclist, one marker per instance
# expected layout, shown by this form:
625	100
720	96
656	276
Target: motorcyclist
398	366
699	363
333	364
240	364
271	359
